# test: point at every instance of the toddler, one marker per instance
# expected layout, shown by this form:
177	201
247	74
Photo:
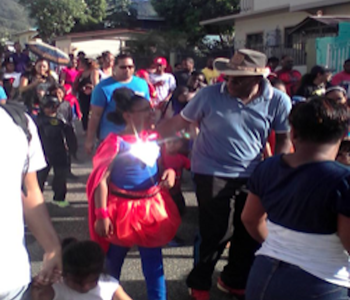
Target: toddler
83	277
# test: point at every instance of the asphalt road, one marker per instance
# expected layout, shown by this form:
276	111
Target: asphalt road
72	222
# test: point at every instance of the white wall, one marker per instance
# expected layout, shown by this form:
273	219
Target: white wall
341	9
92	48
266	23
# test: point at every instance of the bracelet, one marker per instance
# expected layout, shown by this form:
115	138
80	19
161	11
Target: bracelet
101	213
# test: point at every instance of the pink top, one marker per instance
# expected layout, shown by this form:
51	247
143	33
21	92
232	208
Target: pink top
71	74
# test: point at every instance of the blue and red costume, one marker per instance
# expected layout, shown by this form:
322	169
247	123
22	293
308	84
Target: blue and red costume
142	213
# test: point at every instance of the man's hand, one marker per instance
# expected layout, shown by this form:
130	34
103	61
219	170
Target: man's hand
51	268
168	179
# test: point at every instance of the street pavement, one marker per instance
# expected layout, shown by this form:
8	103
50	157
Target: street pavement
73	222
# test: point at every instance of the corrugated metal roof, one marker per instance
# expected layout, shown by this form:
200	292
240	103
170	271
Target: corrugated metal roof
327	20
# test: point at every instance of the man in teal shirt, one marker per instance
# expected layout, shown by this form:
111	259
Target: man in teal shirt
101	99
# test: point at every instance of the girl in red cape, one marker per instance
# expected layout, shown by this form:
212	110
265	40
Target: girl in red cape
129	203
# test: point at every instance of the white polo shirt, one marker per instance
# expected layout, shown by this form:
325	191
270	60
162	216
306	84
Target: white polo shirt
14	262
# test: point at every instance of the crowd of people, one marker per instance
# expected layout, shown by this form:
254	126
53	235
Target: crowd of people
268	149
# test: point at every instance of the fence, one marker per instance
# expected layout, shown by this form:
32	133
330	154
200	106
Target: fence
298	52
337	53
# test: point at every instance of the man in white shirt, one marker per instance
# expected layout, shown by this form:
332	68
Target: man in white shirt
20	159
164	83
11	78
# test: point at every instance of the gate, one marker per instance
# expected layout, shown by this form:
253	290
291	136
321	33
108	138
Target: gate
337	53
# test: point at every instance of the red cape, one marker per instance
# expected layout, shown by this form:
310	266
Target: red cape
148	222
101	162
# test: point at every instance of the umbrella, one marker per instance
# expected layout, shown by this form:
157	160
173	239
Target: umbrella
51	53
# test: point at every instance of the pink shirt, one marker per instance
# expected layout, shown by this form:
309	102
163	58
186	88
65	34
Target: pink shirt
71	74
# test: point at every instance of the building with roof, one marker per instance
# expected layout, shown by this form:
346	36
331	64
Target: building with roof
93	43
279	27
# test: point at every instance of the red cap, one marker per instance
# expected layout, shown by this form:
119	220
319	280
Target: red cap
160	61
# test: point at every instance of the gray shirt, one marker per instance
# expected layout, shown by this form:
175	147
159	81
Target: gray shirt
233	135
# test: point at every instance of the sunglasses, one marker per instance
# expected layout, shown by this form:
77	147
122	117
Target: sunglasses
126	67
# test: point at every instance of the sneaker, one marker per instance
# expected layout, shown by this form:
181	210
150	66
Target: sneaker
199	294
61	204
71	176
228	290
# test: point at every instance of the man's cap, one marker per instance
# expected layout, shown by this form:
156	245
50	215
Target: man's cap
160	61
245	62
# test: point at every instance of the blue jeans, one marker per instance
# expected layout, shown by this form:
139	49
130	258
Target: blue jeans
272	279
152	267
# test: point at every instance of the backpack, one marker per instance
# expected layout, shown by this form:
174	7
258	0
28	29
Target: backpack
17	112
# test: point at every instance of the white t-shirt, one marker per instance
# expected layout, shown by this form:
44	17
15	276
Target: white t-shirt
16	78
321	255
163	84
105	289
103	75
14	262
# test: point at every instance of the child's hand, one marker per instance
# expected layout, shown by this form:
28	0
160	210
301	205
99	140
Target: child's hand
168	179
104	227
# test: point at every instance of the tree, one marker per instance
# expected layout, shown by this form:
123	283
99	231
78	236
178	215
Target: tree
55	17
185	15
120	13
94	15
13	18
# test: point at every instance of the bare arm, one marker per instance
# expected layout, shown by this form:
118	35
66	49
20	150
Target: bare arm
42	292
101	192
96	114
95	77
344	232
24	86
283	144
103	226
120	294
254	218
63	78
170	127
39	223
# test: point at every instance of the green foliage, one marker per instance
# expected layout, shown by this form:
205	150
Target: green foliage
55	17
120	13
96	10
185	15
94	16
13	18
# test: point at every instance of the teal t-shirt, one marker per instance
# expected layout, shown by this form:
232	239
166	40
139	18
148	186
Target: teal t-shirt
102	97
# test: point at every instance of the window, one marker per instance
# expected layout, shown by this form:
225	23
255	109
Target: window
255	40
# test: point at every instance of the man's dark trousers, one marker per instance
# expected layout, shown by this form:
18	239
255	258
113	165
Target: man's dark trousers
221	201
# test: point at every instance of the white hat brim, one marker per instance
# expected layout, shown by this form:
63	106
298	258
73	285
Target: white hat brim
222	66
